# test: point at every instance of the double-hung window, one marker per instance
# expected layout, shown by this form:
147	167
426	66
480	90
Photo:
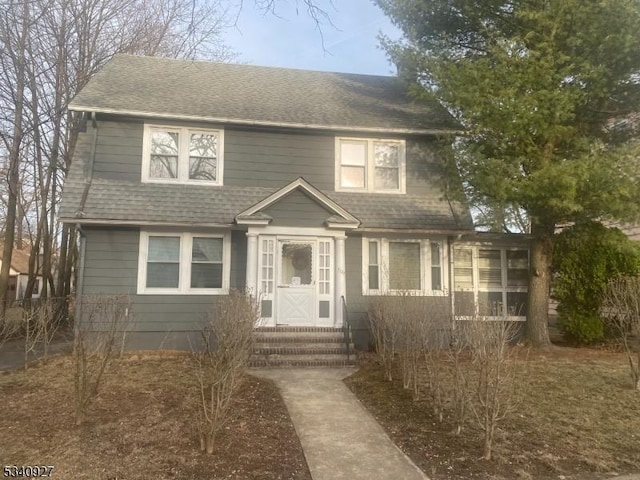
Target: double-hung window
182	155
370	165
183	263
397	266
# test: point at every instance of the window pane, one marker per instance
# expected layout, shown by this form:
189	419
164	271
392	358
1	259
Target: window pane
206	275
436	271
387	178
164	154
163	167
296	264
374	277
490	304
352	177
164	249
206	249
517	268
489	268
162	275
463	268
353	152
203	157
386	154
517	304
373	253
404	266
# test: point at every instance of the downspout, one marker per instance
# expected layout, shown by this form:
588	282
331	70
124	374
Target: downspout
80	280
451	282
88	170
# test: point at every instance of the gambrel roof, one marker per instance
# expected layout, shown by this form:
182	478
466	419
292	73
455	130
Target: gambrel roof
264	96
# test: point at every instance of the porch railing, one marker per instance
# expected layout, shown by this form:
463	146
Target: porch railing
346	326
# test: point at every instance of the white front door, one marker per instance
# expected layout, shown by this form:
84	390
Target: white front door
296	283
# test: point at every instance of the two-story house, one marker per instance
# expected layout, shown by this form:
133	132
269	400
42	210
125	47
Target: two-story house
312	190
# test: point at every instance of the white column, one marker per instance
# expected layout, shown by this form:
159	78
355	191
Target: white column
252	263
340	280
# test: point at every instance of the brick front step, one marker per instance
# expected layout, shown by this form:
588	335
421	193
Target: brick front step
299	362
300	349
284	347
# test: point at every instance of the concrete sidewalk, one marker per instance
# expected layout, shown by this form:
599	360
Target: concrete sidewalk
340	439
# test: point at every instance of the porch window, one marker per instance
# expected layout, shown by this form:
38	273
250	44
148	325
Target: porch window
183	263
182	155
395	266
370	165
491	282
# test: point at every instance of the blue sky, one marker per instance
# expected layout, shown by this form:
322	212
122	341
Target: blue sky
291	39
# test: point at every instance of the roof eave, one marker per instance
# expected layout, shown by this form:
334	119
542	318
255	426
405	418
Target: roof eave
261	123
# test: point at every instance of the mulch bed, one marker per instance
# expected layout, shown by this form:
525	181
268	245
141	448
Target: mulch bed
141	426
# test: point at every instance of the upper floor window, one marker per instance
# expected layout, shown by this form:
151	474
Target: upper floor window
182	155
370	165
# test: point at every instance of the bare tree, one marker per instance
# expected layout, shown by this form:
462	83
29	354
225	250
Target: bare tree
220	368
621	309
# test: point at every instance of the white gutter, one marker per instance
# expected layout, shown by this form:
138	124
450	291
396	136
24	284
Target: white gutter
263	123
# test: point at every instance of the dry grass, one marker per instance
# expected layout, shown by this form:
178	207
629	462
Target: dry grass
579	417
139	426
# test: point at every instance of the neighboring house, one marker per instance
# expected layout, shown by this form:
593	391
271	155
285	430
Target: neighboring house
306	188
19	276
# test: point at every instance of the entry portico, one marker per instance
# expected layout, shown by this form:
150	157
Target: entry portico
296	262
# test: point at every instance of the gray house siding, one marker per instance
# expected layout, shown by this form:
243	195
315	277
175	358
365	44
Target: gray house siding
111	259
297	210
256	158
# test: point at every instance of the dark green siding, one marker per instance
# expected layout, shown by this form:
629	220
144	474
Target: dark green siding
274	159
111	268
258	158
297	210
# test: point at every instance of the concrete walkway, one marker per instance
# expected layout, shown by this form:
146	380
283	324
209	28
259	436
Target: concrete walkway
340	439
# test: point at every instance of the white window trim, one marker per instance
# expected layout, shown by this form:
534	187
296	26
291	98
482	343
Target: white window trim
505	289
383	262
369	167
184	134
184	278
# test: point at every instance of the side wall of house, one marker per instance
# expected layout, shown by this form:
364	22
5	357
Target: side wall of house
111	268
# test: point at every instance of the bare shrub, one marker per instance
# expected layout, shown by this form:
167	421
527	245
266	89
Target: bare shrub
220	368
10	324
42	318
457	355
384	322
100	321
621	309
494	376
412	330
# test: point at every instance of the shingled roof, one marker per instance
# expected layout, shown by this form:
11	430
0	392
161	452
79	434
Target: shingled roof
252	95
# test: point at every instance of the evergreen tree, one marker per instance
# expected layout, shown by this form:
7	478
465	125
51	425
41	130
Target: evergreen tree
548	92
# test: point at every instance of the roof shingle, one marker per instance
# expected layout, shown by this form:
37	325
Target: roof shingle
247	94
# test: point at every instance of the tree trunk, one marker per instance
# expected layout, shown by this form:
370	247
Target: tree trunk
539	284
